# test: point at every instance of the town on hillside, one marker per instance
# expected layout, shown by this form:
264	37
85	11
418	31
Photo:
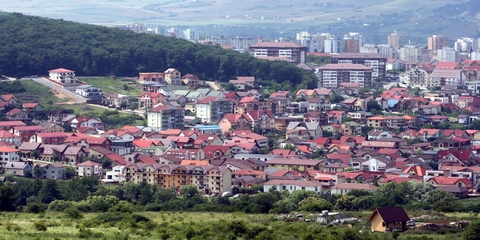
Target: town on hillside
375	117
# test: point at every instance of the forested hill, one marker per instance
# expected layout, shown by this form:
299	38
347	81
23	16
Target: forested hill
33	45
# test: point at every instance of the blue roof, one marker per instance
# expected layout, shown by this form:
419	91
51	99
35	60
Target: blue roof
392	103
208	127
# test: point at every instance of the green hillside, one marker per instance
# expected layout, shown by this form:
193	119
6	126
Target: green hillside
34	45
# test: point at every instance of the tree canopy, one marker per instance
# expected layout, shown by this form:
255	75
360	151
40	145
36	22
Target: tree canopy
34	45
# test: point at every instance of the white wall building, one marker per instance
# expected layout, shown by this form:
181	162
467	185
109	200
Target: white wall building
62	75
447	54
8	154
409	53
466	44
191	34
292	185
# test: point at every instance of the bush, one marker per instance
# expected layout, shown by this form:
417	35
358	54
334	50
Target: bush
40	226
35	208
59	205
123	207
12	227
73	213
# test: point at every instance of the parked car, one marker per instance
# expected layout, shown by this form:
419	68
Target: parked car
411	222
214	195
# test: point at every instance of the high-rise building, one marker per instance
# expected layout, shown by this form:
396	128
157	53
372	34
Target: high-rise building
376	62
436	42
387	51
447	54
191	35
395	40
409	53
466	44
279	50
242	44
369	48
331	44
353	41
332	75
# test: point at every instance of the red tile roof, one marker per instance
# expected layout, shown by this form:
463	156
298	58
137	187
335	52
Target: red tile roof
60	70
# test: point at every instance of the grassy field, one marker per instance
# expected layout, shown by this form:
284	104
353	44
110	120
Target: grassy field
109	85
36	92
164	225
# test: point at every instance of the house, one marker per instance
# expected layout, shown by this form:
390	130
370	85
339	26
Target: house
350	129
9	154
344	188
389	219
116	175
32	107
83	121
304	130
173	76
116	100
55	116
62	76
376	134
89	168
17	115
191	80
292	185
49	137
150	99
243	82
294	164
89	92
8	137
49	170
52	127
263	120
231	121
17	168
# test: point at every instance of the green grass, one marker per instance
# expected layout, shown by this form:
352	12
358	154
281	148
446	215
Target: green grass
38	91
109	85
81	109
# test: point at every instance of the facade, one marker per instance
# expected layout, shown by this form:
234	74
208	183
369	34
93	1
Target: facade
166	117
376	62
89	92
447	54
8	154
50	170
466	44
353	41
395	40
173	77
191	35
389	219
332	75
436	42
409	53
292	185
418	77
211	109
158	77
446	77
89	168
286	50
62	75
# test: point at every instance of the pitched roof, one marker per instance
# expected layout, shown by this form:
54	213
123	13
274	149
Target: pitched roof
293	182
60	70
88	164
391	214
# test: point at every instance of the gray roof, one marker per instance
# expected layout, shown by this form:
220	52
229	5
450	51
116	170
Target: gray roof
204	91
215	93
445	73
308	125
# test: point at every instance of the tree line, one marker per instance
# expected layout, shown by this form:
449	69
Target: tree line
33	45
89	195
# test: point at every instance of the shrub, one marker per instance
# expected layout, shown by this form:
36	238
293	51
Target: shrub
35	208
123	207
60	205
73	213
12	227
40	226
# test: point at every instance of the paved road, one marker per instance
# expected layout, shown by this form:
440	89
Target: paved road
74	98
213	85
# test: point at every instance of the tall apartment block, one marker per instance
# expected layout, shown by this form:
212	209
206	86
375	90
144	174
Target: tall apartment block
376	62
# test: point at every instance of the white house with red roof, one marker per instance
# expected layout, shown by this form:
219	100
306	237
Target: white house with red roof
292	185
9	154
62	75
9	137
89	168
242	82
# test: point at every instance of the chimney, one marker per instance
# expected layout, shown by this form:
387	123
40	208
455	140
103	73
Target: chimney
446	172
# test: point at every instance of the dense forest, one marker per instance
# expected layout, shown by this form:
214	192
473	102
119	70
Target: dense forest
34	45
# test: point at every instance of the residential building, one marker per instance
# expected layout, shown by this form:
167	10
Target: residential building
372	60
242	82
292	185
89	92
50	170
294	164
395	40
16	168
447	54
89	168
166	117
9	154
353	41
418	76
231	121
173	77
436	42
49	137
388	219
446	77
410	53
332	75
17	115
62	76
466	44
26	132
158	77
288	50
191	35
212	109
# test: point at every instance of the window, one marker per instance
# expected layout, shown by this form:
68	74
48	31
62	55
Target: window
383	224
